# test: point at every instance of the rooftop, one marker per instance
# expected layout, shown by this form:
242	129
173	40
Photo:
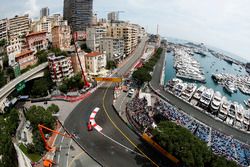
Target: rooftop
24	52
93	54
36	33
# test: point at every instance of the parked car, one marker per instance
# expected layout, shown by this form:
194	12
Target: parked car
131	92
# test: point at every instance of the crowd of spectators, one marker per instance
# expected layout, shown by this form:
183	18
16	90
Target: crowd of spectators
220	143
139	112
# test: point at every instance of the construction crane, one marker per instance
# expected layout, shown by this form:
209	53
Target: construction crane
48	162
86	83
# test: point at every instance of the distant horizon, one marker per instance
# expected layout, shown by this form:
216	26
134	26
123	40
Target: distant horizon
227	53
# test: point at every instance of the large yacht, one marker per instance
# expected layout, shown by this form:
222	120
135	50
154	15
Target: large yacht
216	101
189	91
246	120
223	109
206	98
231	113
197	95
171	84
179	88
239	116
230	87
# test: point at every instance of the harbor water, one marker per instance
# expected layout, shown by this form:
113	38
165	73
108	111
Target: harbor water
211	65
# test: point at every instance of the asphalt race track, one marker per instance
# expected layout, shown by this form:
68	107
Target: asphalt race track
116	145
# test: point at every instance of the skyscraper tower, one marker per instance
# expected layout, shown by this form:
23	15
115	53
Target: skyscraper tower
78	13
44	12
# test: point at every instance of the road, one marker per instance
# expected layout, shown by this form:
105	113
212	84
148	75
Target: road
70	154
194	112
116	145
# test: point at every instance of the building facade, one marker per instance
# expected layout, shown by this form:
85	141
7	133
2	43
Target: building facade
12	51
37	41
113	48
78	13
128	32
26	58
95	63
60	67
113	16
61	37
19	25
75	62
94	35
44	12
4	29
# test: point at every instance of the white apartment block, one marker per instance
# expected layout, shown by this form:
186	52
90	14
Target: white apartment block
113	48
94	34
60	68
12	51
95	63
4	29
129	32
19	25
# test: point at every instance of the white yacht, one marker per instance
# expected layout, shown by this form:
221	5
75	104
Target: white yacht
199	91
223	109
206	98
189	91
246	120
197	95
230	87
172	83
239	116
216	102
231	113
179	88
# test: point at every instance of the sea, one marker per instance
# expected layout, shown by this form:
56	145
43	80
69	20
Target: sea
211	65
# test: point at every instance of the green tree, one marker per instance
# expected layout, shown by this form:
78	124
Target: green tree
85	48
10	72
5	61
142	75
189	149
111	65
63	88
42	56
2	79
39	88
53	108
3	42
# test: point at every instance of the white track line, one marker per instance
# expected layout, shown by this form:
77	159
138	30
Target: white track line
67	162
120	144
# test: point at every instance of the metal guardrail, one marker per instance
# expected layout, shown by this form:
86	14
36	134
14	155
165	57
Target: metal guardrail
4	90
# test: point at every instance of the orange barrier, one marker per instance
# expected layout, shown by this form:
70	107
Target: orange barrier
159	148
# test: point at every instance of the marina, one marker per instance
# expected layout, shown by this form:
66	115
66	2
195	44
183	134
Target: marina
210	65
230	112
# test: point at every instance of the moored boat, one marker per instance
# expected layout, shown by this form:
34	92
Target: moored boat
216	102
223	111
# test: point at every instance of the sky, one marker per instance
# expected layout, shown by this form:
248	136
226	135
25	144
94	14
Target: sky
224	24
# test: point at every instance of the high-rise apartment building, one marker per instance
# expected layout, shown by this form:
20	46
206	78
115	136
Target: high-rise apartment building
19	25
94	34
44	12
113	48
113	16
78	13
4	29
61	37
